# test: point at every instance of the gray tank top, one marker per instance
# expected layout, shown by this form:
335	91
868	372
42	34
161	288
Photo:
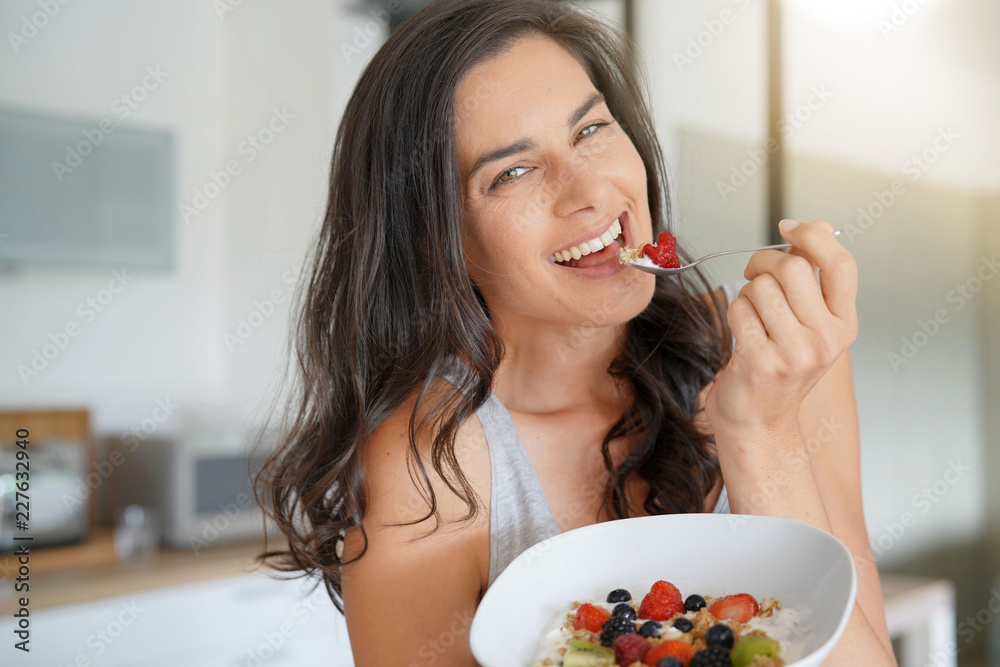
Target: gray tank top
520	516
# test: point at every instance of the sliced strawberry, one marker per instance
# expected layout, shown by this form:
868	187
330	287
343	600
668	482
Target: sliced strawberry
740	608
662	602
672	648
590	617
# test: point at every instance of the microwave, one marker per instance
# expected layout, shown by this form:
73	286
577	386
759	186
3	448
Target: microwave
199	492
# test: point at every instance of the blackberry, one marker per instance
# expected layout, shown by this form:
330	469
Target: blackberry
670	662
619	595
614	628
713	656
650	629
720	634
683	624
694	603
624	609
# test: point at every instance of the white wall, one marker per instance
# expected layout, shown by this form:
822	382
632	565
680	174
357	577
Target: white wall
163	336
884	100
706	65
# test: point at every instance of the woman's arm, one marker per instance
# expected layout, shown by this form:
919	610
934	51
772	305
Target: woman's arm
786	389
828	421
411	598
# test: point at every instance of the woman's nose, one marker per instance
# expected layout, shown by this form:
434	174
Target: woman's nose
577	185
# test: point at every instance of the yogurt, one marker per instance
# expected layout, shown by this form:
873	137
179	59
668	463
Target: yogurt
785	625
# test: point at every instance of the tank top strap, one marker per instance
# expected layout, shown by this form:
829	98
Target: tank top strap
520	515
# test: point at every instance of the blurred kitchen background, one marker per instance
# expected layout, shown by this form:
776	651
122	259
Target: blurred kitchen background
163	169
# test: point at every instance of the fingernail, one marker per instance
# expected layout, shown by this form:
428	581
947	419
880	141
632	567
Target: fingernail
788	225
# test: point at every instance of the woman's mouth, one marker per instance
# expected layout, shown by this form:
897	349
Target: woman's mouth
592	252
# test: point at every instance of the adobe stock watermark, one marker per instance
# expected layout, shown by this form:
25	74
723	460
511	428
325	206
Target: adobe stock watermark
104	637
272	642
365	38
967	630
59	340
212	529
32	24
713	28
899	16
261	312
767	490
163	409
923	501
927	329
225	7
122	107
247	150
915	168
789	123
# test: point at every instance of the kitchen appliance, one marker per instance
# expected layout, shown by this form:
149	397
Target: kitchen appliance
198	488
57	495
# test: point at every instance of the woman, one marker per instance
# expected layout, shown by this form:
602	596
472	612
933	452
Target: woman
465	394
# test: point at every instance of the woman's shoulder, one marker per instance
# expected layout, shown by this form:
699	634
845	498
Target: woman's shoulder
395	485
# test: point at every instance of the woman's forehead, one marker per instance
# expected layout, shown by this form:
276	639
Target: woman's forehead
517	93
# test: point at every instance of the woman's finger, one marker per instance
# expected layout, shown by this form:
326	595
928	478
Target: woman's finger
773	310
838	271
797	278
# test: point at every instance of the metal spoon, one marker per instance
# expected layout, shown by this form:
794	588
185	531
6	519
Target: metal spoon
661	271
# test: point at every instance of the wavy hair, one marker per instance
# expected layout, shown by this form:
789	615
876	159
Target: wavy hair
388	298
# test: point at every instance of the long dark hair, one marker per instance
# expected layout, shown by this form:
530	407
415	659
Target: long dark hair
388	299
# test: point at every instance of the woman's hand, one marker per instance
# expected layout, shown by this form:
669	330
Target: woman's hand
788	329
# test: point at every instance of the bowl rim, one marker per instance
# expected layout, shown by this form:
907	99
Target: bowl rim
822	650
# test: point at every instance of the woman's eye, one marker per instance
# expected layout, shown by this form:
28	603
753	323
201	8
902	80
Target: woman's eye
501	178
583	134
593	127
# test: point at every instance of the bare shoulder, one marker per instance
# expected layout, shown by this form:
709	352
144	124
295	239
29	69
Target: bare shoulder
429	566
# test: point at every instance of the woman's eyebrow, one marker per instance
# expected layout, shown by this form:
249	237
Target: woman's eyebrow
527	144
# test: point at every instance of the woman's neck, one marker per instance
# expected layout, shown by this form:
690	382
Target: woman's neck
552	367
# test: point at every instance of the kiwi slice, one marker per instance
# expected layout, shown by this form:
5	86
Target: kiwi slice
584	654
750	646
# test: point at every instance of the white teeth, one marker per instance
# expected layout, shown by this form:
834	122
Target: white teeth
587	247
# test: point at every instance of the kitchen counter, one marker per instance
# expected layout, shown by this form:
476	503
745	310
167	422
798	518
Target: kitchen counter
92	570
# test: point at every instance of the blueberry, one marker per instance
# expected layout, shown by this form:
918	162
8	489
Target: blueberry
683	624
694	603
619	595
624	609
719	635
670	662
650	629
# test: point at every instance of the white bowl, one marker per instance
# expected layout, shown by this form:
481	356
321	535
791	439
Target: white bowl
711	554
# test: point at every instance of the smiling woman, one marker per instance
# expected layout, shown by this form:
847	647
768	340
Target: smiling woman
479	372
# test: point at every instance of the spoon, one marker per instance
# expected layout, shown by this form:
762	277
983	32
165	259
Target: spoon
661	271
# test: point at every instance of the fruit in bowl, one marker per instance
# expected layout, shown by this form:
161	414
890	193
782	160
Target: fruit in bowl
701	631
767	559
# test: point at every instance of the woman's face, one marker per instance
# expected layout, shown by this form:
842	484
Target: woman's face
544	168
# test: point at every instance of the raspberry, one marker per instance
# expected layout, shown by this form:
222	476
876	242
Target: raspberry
672	648
590	617
740	608
664	253
630	648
